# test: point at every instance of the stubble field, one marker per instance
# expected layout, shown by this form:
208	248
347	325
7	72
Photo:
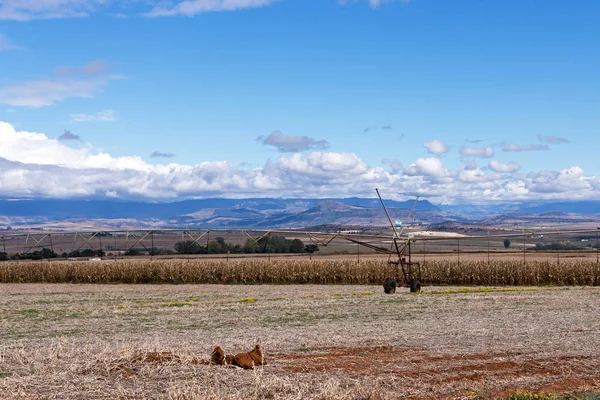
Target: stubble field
322	342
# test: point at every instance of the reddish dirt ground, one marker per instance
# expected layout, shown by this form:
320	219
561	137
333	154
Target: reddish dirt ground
558	375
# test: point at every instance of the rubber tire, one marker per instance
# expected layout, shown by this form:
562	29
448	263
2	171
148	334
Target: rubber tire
415	286
389	286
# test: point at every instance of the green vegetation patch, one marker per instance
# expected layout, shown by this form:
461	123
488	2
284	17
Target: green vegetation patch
486	290
247	300
176	304
29	312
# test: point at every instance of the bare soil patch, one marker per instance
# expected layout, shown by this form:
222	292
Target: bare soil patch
445	370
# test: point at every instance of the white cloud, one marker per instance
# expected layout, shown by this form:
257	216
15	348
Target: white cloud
194	7
32	164
101	116
291	144
436	147
35	165
37	148
568	180
429	167
65	83
471	173
510	168
25	10
45	93
483	152
471	166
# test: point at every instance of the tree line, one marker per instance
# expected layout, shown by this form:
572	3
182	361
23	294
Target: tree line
270	244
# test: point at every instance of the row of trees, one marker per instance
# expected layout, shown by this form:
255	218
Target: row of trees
555	246
32	255
271	244
46	253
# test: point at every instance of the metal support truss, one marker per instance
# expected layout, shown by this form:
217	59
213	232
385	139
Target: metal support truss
37	242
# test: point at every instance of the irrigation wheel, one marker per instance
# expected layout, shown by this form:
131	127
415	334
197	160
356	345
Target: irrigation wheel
389	286
415	286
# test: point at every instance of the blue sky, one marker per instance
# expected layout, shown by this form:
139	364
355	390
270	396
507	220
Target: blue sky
452	100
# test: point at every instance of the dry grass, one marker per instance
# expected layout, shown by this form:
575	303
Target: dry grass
281	271
102	341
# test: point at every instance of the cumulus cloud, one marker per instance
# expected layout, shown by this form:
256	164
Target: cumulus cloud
194	7
552	139
100	116
160	154
568	180
428	167
526	147
510	167
68	135
471	173
471	166
482	152
34	165
65	83
37	148
291	144
436	147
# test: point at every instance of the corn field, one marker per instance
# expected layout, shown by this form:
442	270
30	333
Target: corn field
248	271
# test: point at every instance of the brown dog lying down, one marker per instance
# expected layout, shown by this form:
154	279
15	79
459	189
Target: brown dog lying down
243	360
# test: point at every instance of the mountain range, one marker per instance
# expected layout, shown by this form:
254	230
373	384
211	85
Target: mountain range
261	213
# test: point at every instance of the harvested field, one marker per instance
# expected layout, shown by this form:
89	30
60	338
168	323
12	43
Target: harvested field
321	342
282	271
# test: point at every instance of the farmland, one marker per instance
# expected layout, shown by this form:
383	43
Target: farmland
485	326
321	341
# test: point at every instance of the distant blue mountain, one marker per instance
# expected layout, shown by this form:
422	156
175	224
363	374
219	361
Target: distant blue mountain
90	209
269	212
575	207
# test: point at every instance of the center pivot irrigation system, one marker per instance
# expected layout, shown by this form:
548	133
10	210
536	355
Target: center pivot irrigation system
411	271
